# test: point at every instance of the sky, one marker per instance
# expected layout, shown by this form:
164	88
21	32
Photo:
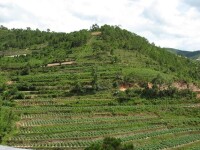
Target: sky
167	23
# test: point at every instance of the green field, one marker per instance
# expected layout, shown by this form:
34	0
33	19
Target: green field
75	105
50	121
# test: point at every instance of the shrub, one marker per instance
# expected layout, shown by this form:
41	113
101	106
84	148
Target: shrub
110	143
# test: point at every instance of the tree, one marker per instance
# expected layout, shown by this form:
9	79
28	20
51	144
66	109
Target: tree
60	56
94	74
77	86
26	70
6	118
158	81
28	28
48	30
110	143
94	27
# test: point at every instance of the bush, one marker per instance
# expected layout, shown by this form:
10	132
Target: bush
171	92
7	117
110	144
127	95
25	86
25	71
20	95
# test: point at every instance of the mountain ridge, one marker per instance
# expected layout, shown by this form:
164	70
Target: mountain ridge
189	54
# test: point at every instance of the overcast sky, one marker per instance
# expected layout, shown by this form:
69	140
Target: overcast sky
167	23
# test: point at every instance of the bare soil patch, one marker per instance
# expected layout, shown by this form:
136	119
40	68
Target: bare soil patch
63	63
96	33
9	82
183	86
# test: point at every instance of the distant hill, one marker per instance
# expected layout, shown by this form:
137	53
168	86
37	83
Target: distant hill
192	55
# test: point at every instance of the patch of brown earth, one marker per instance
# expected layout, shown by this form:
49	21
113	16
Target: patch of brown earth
179	85
9	82
53	64
96	33
63	63
150	85
191	86
124	87
184	85
68	63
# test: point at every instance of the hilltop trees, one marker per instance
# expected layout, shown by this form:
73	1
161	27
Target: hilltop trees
118	38
94	27
23	39
57	46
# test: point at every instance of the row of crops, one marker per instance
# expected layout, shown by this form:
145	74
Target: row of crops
133	134
94	108
169	143
77	121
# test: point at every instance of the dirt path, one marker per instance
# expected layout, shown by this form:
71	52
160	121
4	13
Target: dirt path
63	63
96	33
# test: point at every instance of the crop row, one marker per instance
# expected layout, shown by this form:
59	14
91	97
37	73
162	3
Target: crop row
76	134
157	133
194	148
79	127
91	108
73	115
73	144
80	103
50	115
165	144
39	103
83	120
105	125
178	141
62	77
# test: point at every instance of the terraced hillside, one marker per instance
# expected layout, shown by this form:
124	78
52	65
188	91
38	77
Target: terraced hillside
49	122
73	105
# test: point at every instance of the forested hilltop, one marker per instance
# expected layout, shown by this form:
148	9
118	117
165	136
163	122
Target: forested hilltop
45	47
70	90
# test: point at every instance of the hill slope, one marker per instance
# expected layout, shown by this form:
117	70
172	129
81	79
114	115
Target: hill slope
68	91
112	44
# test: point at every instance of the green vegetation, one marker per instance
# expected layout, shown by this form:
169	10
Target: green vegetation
70	91
110	144
189	54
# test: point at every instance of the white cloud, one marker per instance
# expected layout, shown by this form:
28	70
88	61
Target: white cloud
168	23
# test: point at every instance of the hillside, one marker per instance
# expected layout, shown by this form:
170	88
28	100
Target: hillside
71	90
113	43
192	55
